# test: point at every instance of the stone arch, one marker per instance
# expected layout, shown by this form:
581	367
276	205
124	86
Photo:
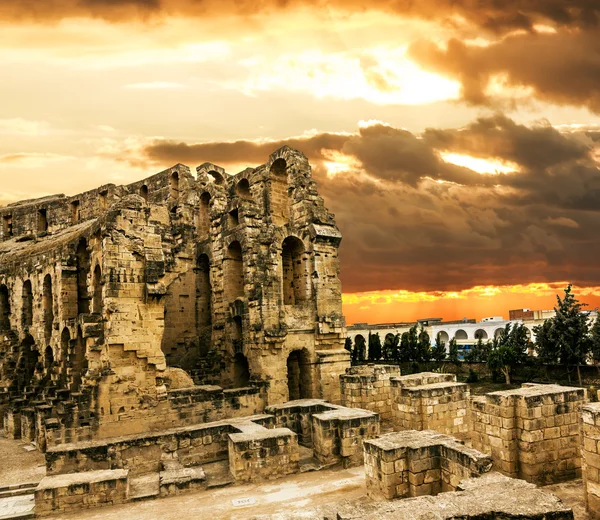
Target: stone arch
461	334
215	177
97	290
174	186
497	332
75	212
83	267
203	291
4	308
241	371
48	357
28	359
48	305
443	335
299	375
242	188
481	334
360	345
144	192
278	196
295	275
27	298
42	220
204	215
234	272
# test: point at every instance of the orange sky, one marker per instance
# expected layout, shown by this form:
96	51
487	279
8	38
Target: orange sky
456	142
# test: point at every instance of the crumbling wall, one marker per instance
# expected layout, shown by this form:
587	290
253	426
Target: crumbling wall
590	453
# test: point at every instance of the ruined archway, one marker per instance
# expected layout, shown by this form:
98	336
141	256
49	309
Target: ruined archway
243	189
299	375
28	359
278	196
204	216
241	371
27	309
97	290
83	268
42	221
295	279
78	361
234	272
203	292
144	192
174	186
4	308
48	306
48	357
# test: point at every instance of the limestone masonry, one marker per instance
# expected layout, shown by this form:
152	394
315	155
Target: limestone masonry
135	308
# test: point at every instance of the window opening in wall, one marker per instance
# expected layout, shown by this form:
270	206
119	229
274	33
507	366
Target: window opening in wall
65	343
204	215
243	189
83	267
144	192
278	193
97	290
234	272
241	371
47	306
203	292
4	308
28	358
75	212
215	177
295	279
27	317
233	218
174	185
48	357
298	373
103	199
7	226
42	221
237	334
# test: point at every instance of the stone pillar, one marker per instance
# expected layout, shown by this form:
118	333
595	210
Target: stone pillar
590	452
331	365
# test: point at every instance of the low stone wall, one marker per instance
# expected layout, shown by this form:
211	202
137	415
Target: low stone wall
193	445
297	416
263	454
368	387
66	493
183	407
531	432
590	452
430	401
415	463
338	435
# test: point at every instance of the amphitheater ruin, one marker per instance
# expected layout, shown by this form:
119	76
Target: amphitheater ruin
185	334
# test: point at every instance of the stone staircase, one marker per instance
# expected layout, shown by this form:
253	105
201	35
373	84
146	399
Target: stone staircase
17	501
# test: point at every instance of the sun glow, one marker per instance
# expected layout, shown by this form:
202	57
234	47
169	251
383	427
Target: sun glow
489	166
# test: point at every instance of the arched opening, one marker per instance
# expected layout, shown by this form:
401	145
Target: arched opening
237	334
203	292
278	193
241	371
298	373
234	272
28	359
48	305
498	332
204	215
243	189
295	279
460	334
215	177
103	200
48	357
481	334
144	192
7	226
443	335
42	221
174	186
83	267
27	316
233	219
97	288
75	212
4	308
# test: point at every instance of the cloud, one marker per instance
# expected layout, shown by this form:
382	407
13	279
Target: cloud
412	221
151	85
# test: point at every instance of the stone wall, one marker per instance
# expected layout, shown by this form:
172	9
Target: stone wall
415	463
429	400
368	387
531	432
590	452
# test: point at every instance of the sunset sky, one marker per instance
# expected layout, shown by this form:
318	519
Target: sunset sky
456	141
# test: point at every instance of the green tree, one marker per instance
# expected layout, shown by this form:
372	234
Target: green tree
405	353
453	351
438	351
391	346
595	343
423	350
478	353
374	347
359	349
508	349
566	340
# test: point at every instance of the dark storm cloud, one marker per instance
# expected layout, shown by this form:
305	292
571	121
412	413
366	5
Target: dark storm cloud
407	231
561	68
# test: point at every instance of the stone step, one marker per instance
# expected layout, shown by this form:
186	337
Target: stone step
17	492
22	485
144	486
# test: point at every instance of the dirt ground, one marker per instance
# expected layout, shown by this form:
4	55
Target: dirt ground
571	493
18	465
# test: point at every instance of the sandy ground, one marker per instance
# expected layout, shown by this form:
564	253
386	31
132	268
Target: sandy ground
18	465
571	493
